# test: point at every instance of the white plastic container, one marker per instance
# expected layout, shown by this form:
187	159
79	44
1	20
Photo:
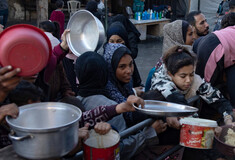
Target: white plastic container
197	133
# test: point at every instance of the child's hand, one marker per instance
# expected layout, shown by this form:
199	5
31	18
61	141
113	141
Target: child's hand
83	133
173	122
9	110
159	126
64	44
218	131
128	105
102	128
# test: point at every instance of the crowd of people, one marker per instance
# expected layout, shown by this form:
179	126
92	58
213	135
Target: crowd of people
193	62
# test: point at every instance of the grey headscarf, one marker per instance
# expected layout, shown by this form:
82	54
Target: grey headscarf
173	35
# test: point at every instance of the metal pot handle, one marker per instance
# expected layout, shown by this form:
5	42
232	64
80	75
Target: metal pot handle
15	138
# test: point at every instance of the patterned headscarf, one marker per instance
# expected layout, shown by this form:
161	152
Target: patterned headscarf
112	55
173	35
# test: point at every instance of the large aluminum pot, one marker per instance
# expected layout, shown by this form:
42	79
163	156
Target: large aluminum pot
86	32
45	130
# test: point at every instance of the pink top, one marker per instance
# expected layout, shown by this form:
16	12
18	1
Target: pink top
58	16
57	55
225	49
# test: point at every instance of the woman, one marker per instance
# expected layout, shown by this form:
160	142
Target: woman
117	33
92	73
119	86
58	15
178	33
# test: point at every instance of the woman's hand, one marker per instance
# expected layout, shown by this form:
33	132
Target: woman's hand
173	122
102	128
8	80
128	105
159	126
64	44
8	110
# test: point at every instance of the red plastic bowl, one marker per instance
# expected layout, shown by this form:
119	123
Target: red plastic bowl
26	47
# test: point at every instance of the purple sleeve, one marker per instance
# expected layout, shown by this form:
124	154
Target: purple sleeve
98	114
57	55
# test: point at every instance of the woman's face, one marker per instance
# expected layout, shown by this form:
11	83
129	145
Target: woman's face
189	36
116	39
183	79
125	69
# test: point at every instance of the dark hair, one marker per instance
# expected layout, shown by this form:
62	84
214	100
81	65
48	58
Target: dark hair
228	20
24	92
178	57
232	4
59	3
52	27
190	17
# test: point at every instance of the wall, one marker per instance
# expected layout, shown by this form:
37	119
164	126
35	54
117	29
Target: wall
17	11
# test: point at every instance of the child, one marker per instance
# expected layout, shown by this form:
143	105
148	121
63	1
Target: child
177	81
25	93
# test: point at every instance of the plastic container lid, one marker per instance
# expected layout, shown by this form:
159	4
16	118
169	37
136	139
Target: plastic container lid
199	122
26	47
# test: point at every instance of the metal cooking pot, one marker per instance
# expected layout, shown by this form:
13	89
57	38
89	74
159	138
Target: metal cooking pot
86	32
45	130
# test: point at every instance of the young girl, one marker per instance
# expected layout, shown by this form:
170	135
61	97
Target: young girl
178	33
176	81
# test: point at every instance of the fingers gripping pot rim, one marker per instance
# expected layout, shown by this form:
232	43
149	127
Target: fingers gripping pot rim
105	147
197	133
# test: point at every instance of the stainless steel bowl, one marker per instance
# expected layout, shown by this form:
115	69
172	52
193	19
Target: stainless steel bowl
45	130
86	32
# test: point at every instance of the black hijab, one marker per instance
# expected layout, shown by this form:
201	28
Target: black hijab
129	26
117	28
92	6
92	73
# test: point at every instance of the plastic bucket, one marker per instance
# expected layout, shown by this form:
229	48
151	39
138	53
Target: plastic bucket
197	133
102	147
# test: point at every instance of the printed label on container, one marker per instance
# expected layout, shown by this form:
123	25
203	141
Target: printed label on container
196	136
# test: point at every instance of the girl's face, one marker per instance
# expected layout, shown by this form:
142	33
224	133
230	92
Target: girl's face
183	79
189	36
125	69
116	39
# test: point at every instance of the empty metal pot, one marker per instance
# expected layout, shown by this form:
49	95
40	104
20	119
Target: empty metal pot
45	130
86	32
